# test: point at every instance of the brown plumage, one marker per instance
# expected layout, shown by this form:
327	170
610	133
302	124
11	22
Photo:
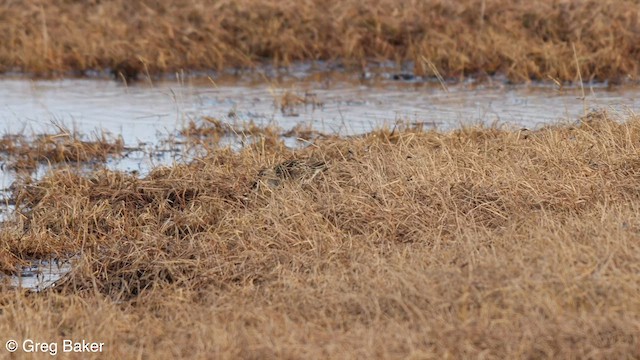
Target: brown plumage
127	71
295	170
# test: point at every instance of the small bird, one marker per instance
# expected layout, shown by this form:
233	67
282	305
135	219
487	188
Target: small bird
296	170
127	71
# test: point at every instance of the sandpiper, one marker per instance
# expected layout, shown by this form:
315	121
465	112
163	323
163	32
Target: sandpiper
296	170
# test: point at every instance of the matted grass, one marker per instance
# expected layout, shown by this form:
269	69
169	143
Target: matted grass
24	153
475	243
540	40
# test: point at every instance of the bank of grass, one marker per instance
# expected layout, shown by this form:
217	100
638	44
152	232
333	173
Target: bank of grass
475	243
540	40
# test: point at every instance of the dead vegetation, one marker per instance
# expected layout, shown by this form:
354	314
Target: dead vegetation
542	40
24	153
211	131
291	101
409	244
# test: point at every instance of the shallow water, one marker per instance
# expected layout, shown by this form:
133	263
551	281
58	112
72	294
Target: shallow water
39	274
143	113
146	113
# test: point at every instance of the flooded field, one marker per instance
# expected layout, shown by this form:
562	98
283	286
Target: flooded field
352	179
451	214
146	115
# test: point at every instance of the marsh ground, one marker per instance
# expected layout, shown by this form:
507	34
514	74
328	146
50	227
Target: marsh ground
403	242
546	40
475	242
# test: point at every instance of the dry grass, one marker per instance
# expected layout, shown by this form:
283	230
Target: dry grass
24	153
523	40
211	131
410	244
290	101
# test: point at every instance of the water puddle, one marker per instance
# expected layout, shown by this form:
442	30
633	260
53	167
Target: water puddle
39	275
146	114
143	113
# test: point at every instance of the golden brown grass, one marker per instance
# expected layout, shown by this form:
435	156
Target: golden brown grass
290	102
22	152
479	243
523	40
211	131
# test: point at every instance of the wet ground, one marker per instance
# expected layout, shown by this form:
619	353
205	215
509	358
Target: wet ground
40	274
147	113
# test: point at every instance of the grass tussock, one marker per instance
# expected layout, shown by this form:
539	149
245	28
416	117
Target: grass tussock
24	153
211	131
539	40
504	244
